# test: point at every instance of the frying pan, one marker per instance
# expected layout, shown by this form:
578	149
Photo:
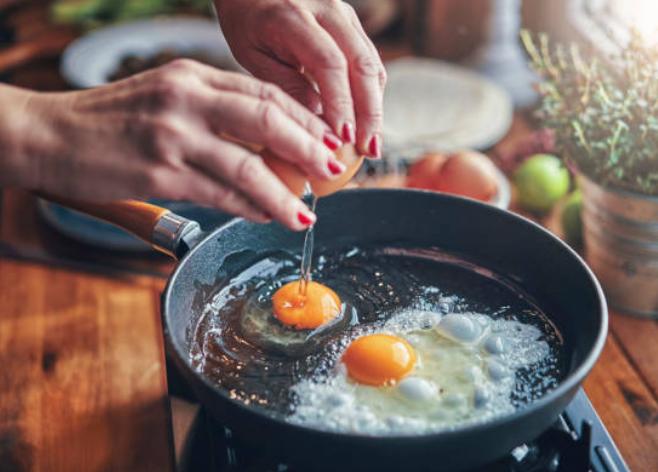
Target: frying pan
526	254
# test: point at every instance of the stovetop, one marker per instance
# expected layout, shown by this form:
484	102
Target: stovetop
577	442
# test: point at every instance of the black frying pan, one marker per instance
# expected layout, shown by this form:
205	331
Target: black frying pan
535	260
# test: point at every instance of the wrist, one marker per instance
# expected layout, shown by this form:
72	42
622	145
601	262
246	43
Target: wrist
24	138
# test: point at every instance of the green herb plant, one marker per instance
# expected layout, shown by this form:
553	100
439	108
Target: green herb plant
602	110
90	14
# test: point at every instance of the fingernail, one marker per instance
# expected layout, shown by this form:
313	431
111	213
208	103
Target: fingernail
336	167
374	147
348	133
306	218
332	141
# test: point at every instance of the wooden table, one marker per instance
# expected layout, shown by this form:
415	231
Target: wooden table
82	373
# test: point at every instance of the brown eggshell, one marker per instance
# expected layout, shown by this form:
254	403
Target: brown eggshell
288	173
424	173
349	156
470	174
293	177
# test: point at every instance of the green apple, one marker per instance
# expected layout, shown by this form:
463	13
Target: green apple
541	181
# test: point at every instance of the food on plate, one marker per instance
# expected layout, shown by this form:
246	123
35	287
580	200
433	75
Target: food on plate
295	179
132	64
379	359
467	173
541	181
425	172
311	307
419	345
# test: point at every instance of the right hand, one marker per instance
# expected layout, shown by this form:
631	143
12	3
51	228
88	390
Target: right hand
160	135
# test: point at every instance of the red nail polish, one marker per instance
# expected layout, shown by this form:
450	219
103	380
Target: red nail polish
332	141
374	148
334	167
305	219
348	133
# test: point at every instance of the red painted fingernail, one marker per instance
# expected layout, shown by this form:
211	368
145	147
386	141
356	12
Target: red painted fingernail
374	148
336	167
306	218
332	141
348	133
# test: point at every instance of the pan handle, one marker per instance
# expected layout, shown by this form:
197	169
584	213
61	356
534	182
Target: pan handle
161	228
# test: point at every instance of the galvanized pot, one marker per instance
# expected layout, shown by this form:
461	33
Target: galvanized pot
620	231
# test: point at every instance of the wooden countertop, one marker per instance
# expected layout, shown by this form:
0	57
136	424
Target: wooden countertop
82	374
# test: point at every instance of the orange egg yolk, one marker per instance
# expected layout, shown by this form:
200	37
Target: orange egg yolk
317	307
379	359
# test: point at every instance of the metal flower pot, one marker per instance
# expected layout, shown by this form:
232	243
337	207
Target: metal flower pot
620	231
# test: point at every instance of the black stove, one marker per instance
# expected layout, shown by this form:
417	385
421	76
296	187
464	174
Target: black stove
577	442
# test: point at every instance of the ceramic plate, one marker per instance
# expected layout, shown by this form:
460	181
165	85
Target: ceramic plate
433	105
89	61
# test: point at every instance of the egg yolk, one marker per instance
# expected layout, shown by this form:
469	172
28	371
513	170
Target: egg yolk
317	307
379	359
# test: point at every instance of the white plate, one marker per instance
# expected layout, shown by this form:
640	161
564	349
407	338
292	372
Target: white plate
431	105
88	61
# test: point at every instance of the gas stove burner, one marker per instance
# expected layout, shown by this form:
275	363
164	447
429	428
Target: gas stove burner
210	447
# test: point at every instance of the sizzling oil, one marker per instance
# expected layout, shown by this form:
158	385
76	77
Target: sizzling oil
261	367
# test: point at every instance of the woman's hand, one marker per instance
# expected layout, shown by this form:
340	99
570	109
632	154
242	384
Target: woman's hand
284	41
160	135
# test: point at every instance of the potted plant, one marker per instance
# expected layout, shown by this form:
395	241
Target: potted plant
603	113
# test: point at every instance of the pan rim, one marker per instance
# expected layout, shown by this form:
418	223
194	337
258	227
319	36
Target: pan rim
571	381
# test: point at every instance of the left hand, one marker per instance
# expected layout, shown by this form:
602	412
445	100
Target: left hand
285	41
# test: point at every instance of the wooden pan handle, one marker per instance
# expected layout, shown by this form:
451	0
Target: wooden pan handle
138	218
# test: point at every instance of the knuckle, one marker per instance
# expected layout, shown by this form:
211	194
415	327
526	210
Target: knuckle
366	65
374	114
314	155
250	170
270	92
182	65
331	60
349	9
169	91
168	129
268	117
383	77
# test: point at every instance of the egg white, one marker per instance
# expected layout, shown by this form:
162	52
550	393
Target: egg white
465	373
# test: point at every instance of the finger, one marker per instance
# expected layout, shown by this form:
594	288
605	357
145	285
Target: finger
317	52
364	72
264	122
248	174
292	81
283	74
195	186
354	19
